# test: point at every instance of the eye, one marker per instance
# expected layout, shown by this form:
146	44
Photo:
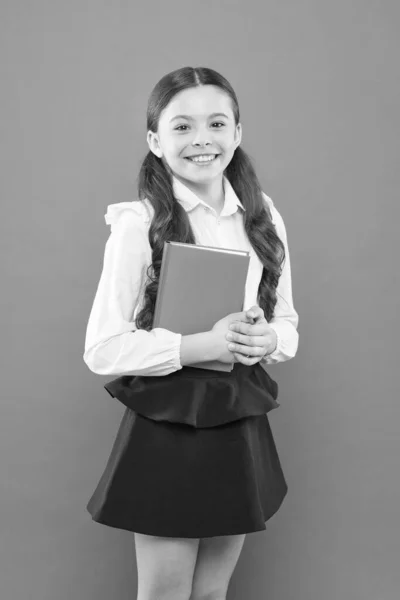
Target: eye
179	127
218	123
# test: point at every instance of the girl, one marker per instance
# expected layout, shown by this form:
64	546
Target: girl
194	466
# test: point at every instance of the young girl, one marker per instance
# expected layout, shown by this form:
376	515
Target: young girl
194	466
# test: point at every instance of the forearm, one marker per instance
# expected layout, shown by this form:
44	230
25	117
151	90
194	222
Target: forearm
139	352
198	347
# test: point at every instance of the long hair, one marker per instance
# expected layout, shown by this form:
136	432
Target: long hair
170	221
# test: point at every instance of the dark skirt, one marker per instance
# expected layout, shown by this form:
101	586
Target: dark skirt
194	455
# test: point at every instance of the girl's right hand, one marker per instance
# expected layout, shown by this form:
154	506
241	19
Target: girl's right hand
220	329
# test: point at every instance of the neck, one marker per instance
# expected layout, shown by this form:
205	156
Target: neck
211	192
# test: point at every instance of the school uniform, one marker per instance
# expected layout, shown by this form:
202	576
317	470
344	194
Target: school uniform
194	455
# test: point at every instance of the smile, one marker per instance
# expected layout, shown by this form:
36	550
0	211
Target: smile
203	158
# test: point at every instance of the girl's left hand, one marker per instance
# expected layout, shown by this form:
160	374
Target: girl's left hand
256	339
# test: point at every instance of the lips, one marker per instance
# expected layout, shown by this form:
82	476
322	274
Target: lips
202	162
208	154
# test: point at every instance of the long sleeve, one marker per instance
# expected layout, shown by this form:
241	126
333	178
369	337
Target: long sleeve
113	345
285	319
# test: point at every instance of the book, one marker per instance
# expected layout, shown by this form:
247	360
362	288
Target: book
198	286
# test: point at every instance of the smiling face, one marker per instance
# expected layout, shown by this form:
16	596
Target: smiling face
197	121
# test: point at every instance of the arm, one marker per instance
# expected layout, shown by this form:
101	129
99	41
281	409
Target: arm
113	345
198	347
285	320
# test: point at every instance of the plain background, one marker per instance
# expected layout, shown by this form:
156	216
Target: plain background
318	87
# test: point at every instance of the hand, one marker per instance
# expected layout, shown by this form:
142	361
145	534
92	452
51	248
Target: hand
220	330
255	340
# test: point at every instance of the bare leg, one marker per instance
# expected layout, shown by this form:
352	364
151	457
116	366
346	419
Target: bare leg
216	561
165	567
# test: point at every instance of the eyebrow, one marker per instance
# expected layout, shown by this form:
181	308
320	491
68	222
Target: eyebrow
212	116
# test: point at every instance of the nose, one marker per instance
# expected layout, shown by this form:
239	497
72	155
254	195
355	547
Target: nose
201	138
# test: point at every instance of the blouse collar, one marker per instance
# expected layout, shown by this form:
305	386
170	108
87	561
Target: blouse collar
189	200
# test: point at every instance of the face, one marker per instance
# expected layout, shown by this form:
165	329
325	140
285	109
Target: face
197	121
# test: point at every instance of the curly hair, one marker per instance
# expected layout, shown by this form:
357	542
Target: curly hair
170	221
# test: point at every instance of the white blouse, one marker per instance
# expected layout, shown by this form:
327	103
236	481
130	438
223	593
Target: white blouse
110	347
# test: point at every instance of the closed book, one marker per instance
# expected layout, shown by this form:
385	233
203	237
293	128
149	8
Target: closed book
198	286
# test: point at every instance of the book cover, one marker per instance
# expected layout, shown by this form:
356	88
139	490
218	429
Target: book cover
199	285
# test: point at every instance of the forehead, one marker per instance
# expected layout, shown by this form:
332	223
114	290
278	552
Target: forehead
198	102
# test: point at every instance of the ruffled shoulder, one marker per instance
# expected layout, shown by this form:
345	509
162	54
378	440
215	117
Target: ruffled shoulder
276	217
272	208
269	202
140	207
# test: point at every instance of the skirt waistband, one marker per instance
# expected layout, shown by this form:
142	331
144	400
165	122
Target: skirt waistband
199	397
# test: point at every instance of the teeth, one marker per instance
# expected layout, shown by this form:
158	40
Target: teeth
203	158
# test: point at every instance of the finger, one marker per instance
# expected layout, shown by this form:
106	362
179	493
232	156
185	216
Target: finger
249	329
239	338
240	317
244	349
259	327
246	360
255	312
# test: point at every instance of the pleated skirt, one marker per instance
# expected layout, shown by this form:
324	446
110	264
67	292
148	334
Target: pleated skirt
194	455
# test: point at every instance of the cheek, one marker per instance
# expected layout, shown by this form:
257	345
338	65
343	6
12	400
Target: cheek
228	149
168	144
227	143
174	149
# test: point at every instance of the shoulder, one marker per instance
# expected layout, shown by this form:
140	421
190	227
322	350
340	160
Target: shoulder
125	215
276	216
